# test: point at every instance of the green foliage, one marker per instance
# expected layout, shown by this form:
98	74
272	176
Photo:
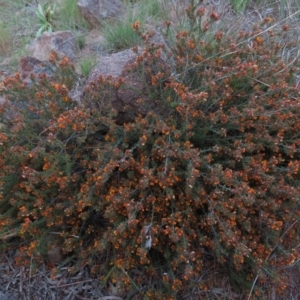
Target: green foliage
5	40
239	5
151	8
207	179
120	35
87	64
45	16
81	41
69	17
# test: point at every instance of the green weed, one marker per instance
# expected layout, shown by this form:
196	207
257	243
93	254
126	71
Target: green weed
120	35
87	64
69	17
5	40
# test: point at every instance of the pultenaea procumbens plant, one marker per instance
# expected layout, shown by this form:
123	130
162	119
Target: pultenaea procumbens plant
212	179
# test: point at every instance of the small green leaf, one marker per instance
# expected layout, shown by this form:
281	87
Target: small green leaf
40	11
41	30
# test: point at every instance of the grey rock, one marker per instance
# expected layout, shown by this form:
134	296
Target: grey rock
29	65
97	11
113	64
63	43
134	96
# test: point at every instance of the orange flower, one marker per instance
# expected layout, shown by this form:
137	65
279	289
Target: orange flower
56	86
285	27
214	16
46	166
259	40
201	11
39	95
51	57
190	44
26	223
136	25
168	23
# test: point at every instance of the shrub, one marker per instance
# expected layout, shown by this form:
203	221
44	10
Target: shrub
211	180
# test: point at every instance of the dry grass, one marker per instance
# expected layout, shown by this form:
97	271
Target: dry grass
26	284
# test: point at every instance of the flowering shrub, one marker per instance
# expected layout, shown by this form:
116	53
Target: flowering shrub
212	179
